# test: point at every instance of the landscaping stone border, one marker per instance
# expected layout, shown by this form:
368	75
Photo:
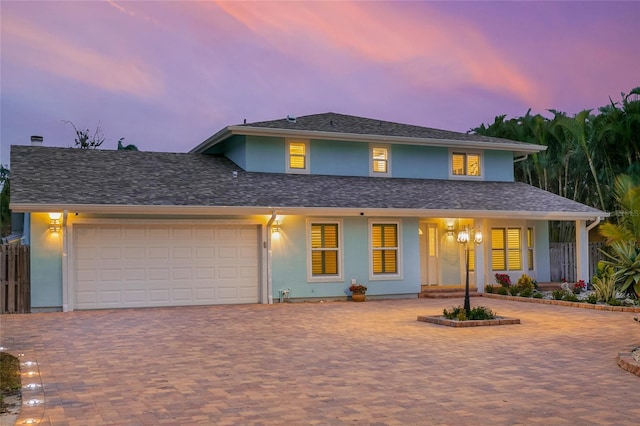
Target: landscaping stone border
635	309
440	320
627	362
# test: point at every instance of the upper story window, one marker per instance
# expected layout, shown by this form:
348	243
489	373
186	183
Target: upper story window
324	250
379	160
297	156
467	164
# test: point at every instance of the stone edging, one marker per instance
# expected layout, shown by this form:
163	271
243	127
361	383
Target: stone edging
635	309
627	362
439	320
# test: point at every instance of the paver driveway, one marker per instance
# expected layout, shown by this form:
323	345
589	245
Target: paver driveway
328	363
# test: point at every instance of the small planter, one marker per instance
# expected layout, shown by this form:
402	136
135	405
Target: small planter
358	297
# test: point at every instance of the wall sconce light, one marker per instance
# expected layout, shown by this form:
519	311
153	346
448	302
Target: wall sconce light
450	231
54	222
275	229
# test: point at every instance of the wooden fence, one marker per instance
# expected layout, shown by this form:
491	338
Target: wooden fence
563	260
15	279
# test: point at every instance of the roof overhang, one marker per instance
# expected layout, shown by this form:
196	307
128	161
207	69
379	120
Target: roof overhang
304	211
227	132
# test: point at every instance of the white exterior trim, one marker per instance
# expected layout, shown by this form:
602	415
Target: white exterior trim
307	157
386	277
477	152
379	174
328	278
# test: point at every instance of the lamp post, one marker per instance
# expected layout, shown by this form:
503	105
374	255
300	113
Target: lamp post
464	237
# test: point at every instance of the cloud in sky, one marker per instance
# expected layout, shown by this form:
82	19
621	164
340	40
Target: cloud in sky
166	75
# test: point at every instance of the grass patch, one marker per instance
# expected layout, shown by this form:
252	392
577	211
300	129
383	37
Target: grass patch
9	377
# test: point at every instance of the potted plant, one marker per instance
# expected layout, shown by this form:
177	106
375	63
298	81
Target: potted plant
358	292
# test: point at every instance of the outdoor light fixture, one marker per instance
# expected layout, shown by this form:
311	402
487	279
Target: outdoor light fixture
33	402
30	422
276	228
464	237
54	221
450	231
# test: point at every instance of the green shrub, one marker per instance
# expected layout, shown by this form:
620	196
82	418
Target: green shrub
557	294
537	295
527	292
591	298
502	290
570	297
525	283
458	313
614	302
514	290
604	282
481	313
489	288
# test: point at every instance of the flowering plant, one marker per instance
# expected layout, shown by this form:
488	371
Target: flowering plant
503	280
358	288
580	285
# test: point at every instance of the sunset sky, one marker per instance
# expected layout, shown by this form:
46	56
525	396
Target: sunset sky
166	75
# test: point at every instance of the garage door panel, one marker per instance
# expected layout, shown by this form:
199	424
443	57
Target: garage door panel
148	265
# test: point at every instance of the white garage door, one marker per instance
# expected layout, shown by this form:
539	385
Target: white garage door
121	266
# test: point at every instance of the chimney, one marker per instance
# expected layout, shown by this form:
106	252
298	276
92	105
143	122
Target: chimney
36	140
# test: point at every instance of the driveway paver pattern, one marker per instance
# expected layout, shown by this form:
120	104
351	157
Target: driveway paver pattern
329	363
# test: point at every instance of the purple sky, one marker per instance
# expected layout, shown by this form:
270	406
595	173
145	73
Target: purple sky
166	75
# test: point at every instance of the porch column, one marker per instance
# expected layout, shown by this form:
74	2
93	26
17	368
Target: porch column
481	267
582	251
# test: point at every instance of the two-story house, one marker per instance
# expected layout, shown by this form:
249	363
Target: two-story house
297	208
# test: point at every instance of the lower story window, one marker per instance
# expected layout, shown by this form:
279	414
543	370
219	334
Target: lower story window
506	249
384	248
324	243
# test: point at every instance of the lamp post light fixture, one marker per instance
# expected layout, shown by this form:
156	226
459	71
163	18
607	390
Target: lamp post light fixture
465	238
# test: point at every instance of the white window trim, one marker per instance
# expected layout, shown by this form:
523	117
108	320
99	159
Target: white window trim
467	152
326	278
523	250
307	159
379	174
385	277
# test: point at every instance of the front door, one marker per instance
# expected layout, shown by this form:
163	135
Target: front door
429	253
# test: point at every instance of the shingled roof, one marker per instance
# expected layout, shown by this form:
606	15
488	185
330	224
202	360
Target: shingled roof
96	180
340	126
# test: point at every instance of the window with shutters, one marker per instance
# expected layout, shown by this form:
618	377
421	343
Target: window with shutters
325	250
466	164
385	249
297	156
506	249
530	249
379	156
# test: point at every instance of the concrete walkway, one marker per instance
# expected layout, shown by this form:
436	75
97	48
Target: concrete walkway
327	363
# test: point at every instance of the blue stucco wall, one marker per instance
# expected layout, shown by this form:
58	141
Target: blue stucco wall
498	166
265	154
339	158
542	259
289	261
328	157
422	162
46	264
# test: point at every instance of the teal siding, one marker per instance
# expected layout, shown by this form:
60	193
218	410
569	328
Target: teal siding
339	158
542	261
265	154
498	166
421	162
289	261
46	264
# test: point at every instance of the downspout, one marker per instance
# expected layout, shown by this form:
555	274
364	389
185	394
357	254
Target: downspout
65	242
594	224
517	160
269	257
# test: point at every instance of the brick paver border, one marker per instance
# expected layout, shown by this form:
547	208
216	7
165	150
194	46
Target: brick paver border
627	362
635	309
440	320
